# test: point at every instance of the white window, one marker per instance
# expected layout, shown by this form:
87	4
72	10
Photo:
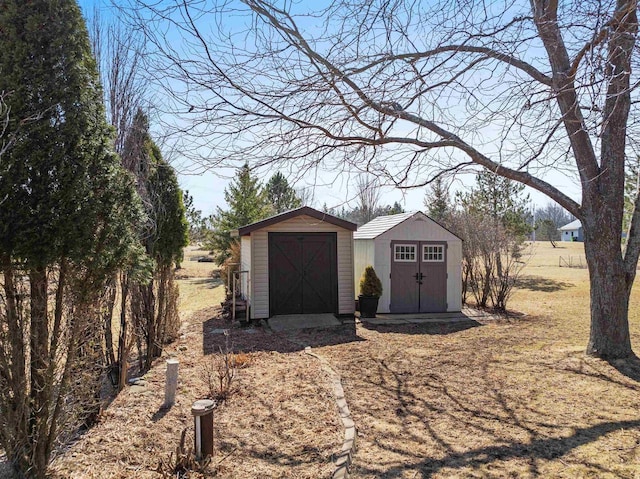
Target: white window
404	252
433	253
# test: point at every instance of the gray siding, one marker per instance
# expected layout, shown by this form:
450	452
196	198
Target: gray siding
302	224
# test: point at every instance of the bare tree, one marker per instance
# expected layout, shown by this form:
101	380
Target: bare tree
547	221
411	90
119	51
368	197
306	195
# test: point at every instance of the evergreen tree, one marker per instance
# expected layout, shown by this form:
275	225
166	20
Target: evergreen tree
194	218
279	195
437	202
164	235
65	224
546	230
247	204
499	198
493	224
171	231
548	219
396	208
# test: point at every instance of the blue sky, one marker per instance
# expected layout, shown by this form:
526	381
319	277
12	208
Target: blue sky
207	187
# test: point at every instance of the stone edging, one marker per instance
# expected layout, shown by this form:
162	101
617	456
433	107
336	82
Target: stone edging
344	458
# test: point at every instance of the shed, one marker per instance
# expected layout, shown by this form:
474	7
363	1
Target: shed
418	261
572	231
297	262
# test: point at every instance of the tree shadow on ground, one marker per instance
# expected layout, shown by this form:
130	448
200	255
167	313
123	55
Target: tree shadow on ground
207	282
538	283
629	367
427	409
257	337
549	448
423	328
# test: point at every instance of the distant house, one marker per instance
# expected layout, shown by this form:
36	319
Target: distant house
572	231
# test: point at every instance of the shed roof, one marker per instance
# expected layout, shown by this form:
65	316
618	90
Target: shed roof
304	210
574	225
382	224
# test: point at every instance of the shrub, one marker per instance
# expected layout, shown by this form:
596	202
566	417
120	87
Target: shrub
219	374
370	284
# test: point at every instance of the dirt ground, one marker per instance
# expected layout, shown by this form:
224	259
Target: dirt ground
514	397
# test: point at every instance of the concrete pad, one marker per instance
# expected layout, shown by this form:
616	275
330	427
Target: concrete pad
425	318
459	319
383	321
290	322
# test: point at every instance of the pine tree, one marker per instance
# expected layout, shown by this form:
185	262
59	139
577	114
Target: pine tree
194	218
247	204
164	235
65	225
279	195
501	199
437	202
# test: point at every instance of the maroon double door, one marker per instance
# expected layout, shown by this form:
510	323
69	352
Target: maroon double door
418	277
302	273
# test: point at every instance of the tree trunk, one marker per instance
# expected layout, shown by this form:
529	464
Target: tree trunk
15	395
609	337
122	340
150	314
109	304
40	384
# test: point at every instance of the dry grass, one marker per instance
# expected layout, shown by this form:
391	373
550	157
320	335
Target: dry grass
281	423
511	398
199	288
508	398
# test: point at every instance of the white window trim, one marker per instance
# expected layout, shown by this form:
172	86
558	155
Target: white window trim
395	252
425	246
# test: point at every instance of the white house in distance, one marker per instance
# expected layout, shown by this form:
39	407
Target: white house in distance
297	262
418	261
572	231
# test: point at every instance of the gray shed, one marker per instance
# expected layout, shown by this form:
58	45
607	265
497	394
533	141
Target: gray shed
297	262
418	261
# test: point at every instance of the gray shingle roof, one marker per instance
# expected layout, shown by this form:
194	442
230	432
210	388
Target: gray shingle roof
381	224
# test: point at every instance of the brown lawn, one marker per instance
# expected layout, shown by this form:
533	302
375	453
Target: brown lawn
509	398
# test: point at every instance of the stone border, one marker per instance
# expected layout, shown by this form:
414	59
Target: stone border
345	457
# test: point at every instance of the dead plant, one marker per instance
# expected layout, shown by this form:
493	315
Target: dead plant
242	360
183	463
219	373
